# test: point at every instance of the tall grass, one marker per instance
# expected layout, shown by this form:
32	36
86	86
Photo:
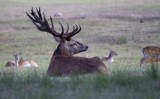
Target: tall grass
33	83
153	71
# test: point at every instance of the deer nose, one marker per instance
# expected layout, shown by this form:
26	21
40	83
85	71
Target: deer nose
86	47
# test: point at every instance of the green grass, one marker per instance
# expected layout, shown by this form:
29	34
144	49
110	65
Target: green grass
32	84
111	24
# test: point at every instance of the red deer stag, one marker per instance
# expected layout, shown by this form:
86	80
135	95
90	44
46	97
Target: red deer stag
151	54
20	62
63	62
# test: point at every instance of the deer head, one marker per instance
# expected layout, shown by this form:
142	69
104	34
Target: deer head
17	58
67	45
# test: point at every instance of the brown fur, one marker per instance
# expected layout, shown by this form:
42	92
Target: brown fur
149	60
27	63
66	65
151	50
151	54
10	64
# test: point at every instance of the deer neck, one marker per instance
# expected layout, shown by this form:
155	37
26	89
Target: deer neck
108	58
62	50
17	62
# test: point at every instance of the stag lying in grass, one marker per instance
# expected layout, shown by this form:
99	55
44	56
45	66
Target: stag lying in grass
63	62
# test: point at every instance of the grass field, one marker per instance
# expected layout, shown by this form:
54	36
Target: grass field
105	24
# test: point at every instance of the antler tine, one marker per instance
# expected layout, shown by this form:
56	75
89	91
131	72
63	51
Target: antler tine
52	23
39	13
67	29
78	30
35	16
75	31
33	20
41	22
47	28
62	28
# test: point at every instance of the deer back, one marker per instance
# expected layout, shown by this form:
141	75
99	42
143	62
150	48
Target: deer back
27	63
64	65
10	64
151	51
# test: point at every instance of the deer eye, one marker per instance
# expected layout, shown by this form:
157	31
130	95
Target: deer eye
74	44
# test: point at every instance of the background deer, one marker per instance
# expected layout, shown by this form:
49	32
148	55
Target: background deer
15	62
110	58
151	54
20	62
63	62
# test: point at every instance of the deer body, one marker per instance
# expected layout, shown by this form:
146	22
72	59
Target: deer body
151	54
149	60
63	61
151	51
27	63
76	65
10	63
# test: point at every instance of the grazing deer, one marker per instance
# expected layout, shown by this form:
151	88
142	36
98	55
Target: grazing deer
151	54
110	56
20	62
63	62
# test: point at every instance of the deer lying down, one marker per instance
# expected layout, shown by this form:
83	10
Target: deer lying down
20	62
63	62
110	58
10	63
151	54
27	63
13	63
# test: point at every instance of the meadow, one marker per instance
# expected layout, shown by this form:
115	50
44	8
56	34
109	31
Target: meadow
114	24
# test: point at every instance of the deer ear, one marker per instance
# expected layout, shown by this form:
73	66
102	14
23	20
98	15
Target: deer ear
57	39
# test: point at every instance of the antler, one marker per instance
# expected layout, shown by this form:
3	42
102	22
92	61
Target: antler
42	24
